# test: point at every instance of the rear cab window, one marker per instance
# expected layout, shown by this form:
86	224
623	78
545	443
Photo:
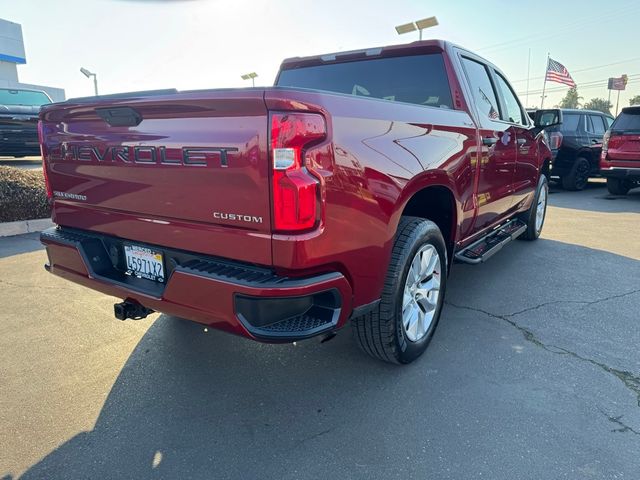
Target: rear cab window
418	79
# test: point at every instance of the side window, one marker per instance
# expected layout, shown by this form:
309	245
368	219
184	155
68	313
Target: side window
582	126
609	122
597	125
570	123
588	125
481	88
514	111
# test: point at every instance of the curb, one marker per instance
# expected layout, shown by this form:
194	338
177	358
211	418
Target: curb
9	229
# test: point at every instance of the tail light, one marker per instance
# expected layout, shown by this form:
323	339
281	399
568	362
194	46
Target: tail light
605	145
43	155
296	192
555	140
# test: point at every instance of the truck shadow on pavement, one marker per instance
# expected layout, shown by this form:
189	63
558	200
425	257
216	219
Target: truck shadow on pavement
190	404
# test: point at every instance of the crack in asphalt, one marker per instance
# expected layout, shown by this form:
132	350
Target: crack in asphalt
630	381
311	437
618	421
575	302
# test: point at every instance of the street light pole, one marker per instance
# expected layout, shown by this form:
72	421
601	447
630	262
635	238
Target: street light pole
89	74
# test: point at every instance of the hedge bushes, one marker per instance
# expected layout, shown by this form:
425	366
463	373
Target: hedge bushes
22	195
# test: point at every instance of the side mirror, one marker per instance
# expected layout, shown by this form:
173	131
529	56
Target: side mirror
547	118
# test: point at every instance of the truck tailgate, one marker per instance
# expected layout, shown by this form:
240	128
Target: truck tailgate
184	170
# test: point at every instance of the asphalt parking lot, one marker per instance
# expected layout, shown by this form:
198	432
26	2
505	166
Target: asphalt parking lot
534	372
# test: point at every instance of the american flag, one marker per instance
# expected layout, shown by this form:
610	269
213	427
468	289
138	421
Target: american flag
556	72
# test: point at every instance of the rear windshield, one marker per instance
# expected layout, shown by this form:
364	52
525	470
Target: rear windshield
627	121
22	97
419	79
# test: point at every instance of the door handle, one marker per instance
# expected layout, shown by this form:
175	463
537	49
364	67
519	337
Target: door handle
521	141
489	141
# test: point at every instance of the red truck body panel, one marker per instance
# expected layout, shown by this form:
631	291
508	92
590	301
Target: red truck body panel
156	196
382	154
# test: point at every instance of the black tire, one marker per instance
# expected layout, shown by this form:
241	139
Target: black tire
381	333
530	216
578	176
618	186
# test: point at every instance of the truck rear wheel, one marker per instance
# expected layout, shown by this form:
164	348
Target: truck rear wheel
400	328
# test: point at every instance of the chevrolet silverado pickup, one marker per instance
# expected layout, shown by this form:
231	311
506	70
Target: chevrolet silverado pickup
342	193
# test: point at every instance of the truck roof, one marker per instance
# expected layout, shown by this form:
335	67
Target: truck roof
390	50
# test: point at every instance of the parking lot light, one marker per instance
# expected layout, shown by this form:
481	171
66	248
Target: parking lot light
417	25
89	74
251	76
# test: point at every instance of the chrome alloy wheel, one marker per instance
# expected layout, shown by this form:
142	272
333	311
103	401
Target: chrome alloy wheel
421	293
541	208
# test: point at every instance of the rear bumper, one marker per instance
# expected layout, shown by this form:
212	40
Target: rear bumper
621	172
243	299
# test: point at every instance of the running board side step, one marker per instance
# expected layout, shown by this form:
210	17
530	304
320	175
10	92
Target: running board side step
483	249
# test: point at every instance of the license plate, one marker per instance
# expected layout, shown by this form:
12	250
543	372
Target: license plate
143	262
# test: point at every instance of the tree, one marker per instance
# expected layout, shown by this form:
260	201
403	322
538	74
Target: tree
571	99
635	100
599	104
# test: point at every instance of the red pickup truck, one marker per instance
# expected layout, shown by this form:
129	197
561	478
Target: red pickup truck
342	193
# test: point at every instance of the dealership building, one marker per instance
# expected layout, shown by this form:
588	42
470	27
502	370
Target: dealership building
12	54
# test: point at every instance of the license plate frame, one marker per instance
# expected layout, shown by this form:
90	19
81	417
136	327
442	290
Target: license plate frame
144	262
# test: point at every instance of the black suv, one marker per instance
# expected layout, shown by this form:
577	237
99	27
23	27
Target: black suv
573	159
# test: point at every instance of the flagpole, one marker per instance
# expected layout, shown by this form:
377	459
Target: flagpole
528	74
544	85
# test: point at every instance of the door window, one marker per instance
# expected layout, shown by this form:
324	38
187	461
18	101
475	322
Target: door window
595	125
514	110
481	89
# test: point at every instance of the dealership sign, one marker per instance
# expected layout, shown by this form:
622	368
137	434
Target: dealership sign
618	83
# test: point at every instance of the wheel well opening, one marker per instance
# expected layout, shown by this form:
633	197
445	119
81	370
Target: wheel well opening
438	205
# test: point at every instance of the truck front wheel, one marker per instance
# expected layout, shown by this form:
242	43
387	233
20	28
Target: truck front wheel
400	328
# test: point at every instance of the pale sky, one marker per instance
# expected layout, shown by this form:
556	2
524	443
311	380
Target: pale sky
190	44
